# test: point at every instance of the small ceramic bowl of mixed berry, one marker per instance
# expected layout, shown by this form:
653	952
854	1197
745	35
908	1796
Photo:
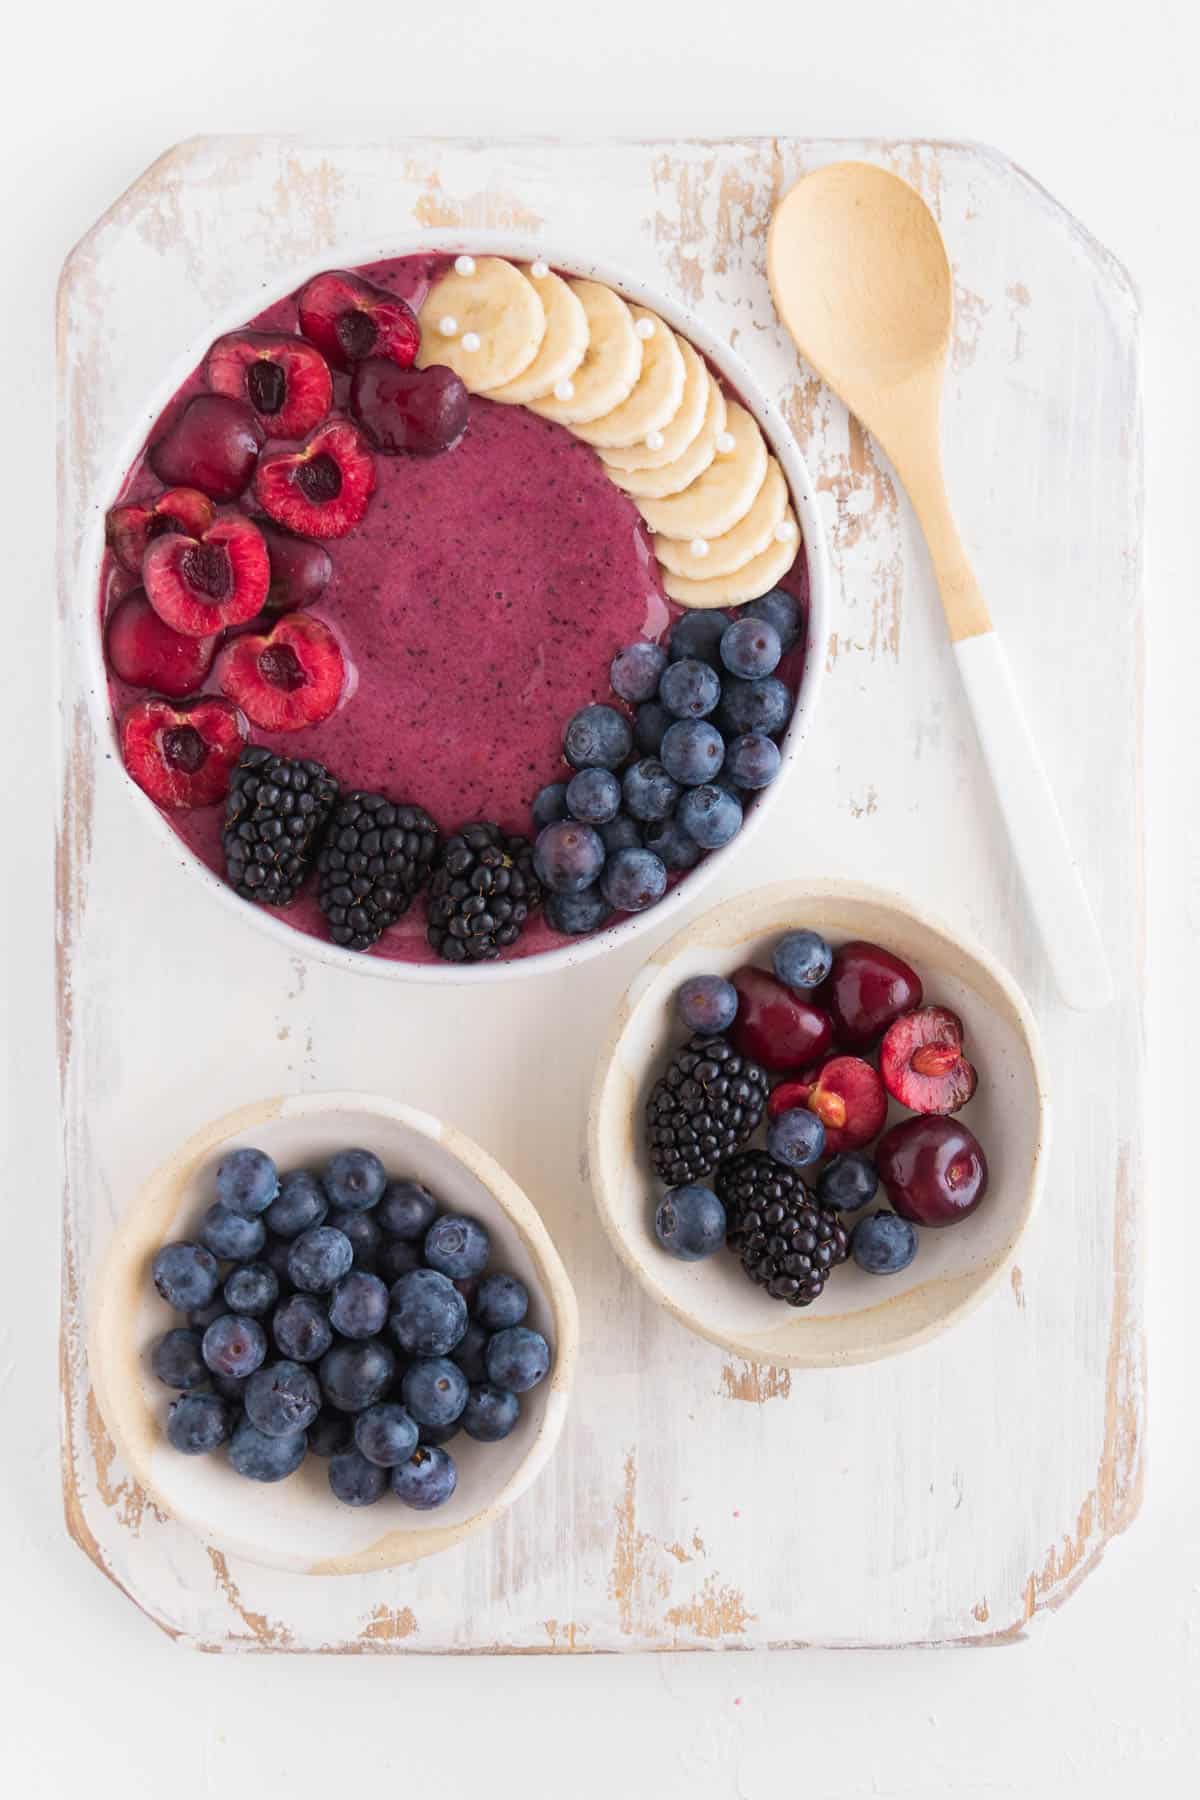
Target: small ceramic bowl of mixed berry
838	1118
332	1335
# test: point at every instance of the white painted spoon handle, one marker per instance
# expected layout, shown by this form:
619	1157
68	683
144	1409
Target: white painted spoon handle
1052	880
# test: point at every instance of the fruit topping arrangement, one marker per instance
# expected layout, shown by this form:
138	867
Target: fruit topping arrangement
342	1314
270	457
806	1054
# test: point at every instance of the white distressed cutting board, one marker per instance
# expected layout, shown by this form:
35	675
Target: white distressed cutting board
695	1502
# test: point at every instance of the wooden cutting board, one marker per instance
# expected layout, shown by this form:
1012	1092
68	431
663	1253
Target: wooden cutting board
695	1502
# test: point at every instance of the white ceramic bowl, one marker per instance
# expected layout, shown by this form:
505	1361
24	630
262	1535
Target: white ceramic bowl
296	1524
859	1317
782	443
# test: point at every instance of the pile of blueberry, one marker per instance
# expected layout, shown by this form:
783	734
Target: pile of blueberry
649	797
346	1315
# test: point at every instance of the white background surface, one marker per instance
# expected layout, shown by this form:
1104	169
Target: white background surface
1101	107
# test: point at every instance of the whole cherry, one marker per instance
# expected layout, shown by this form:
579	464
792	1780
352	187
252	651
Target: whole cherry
867	988
774	1026
933	1168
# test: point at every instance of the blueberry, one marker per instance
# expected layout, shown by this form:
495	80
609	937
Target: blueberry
366	1239
636	670
359	1305
711	815
594	796
751	648
354	1180
355	1481
550	804
693	752
707	1004
252	1290
847	1181
690	1223
185	1275
434	1391
490	1413
177	1361
231	1235
621	833
796	1137
354	1376
301	1328
517	1359
672	845
634	880
427	1480
263	1458
197	1423
276	1256
568	857
231	1388
428	1315
779	610
282	1398
502	1300
598	737
330	1432
752	760
407	1210
746	706
299	1205
649	724
882	1244
247	1181
575	914
396	1258
318	1258
457	1246
433	1436
650	793
698	634
385	1434
201	1317
469	1351
802	960
690	689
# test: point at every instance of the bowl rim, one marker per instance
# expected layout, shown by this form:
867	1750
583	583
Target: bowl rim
111	1330
647	981
782	443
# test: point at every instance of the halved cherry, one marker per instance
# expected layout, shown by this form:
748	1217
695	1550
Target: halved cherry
348	318
288	679
285	380
148	654
323	489
300	569
847	1096
199	585
182	756
922	1063
129	528
213	445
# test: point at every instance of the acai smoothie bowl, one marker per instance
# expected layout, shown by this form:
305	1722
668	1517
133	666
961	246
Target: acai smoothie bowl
458	610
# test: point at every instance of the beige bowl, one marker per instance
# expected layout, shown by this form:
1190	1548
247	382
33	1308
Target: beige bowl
859	1318
296	1524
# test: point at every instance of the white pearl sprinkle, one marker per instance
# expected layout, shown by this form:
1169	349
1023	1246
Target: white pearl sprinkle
540	270
699	547
655	440
725	442
564	390
448	326
645	328
470	340
464	265
784	530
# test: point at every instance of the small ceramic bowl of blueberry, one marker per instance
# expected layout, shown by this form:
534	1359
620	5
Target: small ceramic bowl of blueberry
819	1126
332	1335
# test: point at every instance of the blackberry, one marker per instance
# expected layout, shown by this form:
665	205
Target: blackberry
376	858
275	814
482	894
786	1242
705	1106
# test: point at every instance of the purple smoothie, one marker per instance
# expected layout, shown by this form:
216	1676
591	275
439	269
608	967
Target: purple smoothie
479	605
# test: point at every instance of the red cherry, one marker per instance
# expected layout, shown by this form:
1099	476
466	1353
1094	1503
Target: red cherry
300	569
867	988
776	1028
148	654
213	445
286	381
933	1168
419	410
288	679
182	756
323	489
847	1096
201	585
922	1063
348	319
129	528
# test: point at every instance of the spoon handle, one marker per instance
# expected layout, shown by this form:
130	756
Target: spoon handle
1052	880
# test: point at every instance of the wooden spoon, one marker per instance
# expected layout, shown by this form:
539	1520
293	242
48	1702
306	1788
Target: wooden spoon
860	277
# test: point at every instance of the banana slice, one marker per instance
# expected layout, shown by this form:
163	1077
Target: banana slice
725	492
673	477
703	559
673	438
483	320
655	399
562	349
609	371
753	579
